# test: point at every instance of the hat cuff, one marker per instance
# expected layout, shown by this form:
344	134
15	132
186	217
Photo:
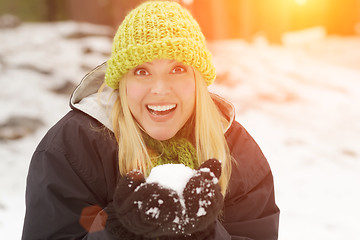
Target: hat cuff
179	49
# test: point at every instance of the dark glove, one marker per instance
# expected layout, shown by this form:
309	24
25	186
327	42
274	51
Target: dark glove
149	211
203	203
203	198
207	234
114	226
124	188
146	209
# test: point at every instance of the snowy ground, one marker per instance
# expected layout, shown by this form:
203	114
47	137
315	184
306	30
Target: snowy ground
300	102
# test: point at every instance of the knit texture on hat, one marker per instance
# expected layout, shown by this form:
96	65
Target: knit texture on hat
158	30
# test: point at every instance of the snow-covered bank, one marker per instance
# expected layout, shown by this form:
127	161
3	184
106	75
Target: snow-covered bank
300	103
302	108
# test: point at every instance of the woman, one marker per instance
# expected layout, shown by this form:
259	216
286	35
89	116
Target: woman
146	107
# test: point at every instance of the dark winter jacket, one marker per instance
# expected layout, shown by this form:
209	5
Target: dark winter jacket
73	172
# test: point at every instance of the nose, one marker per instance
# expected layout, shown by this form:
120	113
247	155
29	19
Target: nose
160	87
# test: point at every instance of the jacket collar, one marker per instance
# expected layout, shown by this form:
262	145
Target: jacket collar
98	105
87	99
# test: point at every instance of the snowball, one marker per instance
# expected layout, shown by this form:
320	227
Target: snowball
171	176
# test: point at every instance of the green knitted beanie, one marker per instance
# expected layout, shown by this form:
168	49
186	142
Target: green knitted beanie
158	30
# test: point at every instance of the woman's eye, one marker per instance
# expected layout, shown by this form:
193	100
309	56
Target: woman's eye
141	72
178	69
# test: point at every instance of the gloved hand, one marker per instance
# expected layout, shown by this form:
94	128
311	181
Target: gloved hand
145	210
124	188
203	202
150	211
203	197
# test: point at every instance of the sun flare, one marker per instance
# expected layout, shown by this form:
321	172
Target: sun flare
301	2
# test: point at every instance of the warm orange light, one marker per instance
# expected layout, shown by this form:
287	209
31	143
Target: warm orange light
301	2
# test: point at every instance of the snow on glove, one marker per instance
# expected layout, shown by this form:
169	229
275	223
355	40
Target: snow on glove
146	209
175	202
200	197
203	198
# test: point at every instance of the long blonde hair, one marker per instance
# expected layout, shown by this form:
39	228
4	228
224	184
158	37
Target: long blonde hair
209	134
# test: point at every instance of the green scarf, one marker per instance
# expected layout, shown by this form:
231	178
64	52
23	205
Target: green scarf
177	150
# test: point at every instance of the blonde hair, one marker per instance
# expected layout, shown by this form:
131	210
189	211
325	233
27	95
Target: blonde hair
210	141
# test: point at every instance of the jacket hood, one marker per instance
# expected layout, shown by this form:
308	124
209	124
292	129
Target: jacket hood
98	105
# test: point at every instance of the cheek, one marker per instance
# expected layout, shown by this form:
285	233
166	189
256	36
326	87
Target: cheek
132	90
135	92
189	90
186	91
186	88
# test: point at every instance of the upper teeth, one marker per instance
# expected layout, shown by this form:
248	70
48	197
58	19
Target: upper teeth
161	108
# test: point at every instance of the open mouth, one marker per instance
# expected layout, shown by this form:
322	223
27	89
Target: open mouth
161	109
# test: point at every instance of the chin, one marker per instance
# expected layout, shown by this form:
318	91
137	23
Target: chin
161	135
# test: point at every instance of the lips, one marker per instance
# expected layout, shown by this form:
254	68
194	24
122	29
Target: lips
161	110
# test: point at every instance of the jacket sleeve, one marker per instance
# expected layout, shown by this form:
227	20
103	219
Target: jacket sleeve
250	211
66	186
58	203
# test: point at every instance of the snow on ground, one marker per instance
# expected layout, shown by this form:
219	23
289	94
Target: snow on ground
299	102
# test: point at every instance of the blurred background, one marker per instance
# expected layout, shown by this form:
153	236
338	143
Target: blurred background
218	19
290	67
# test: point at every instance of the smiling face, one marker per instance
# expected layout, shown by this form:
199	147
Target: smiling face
161	96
